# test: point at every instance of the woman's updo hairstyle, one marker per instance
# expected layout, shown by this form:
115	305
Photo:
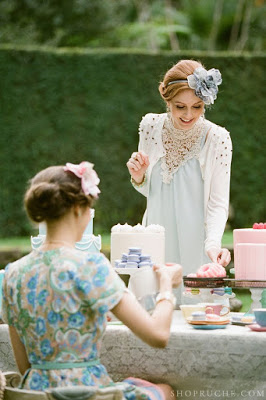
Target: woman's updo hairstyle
52	192
181	70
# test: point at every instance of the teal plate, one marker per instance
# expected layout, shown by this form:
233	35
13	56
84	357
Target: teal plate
209	326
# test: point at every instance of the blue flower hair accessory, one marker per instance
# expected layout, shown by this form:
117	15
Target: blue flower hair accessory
205	83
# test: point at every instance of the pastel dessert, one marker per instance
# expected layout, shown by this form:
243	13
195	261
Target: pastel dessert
211	270
248	319
250	252
195	291
150	239
213	317
222	291
133	259
198	316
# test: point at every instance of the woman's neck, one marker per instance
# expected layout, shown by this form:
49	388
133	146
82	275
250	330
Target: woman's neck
62	232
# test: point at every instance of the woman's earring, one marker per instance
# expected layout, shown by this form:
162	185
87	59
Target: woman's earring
79	212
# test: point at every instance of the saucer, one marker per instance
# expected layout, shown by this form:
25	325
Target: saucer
208	323
209	326
257	328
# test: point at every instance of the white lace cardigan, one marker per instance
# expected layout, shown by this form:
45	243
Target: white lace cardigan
215	163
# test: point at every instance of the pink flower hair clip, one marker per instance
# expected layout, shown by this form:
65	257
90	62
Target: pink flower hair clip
89	178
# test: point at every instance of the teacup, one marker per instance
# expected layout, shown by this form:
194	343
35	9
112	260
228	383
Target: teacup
188	309
143	282
260	316
217	309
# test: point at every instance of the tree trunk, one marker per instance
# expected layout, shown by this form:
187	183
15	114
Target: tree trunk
215	23
174	42
236	25
245	26
143	7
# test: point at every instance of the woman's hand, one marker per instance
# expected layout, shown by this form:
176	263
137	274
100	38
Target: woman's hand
169	275
137	165
220	256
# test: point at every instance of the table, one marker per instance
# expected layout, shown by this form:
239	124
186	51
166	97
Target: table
230	359
223	360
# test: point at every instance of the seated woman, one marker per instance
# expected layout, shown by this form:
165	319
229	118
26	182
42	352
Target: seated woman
56	299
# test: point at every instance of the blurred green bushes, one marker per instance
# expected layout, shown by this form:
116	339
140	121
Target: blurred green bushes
73	105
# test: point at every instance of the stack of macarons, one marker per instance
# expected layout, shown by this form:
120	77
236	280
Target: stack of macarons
220	291
134	259
192	291
202	316
198	316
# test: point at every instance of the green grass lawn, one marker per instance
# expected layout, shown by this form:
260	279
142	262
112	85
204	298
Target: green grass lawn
23	243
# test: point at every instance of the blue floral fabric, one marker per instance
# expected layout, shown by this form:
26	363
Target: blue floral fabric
57	300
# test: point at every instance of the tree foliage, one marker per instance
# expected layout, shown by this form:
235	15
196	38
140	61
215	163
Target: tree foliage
147	24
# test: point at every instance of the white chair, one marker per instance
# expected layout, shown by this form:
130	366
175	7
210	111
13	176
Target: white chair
9	391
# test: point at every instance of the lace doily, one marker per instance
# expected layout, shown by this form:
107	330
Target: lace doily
180	146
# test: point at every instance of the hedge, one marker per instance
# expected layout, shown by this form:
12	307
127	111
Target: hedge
73	105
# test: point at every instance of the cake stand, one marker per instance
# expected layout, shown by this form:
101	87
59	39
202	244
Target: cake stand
205	286
256	288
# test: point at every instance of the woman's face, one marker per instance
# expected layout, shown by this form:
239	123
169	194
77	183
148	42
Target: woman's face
185	108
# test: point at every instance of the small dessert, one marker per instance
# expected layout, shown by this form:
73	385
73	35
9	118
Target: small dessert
131	264
198	316
211	270
247	319
195	291
133	259
222	291
213	317
260	225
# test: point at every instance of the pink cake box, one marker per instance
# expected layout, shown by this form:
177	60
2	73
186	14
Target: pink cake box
250	254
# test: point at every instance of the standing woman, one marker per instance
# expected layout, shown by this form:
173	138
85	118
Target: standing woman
183	168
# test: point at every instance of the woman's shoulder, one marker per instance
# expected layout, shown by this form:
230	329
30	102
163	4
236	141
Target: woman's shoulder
84	257
15	267
216	132
152	118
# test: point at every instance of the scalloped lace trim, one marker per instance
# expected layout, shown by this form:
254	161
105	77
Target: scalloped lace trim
180	146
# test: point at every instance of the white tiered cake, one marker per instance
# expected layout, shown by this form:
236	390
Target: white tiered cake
151	240
88	243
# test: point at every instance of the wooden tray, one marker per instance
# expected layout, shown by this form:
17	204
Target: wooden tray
205	282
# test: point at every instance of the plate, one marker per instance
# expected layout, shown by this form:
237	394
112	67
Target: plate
257	328
222	322
209	326
241	323
238	320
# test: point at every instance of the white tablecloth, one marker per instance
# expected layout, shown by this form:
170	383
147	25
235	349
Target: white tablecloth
230	361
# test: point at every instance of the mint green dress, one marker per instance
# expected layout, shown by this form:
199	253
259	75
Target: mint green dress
179	207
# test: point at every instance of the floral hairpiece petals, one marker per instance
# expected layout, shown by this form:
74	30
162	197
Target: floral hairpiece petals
89	178
205	83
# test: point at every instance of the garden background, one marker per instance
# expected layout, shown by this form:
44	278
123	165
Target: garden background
69	105
77	76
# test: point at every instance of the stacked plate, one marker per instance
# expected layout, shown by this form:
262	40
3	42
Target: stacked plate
222	323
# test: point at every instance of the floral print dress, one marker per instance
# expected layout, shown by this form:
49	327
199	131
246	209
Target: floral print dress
58	300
